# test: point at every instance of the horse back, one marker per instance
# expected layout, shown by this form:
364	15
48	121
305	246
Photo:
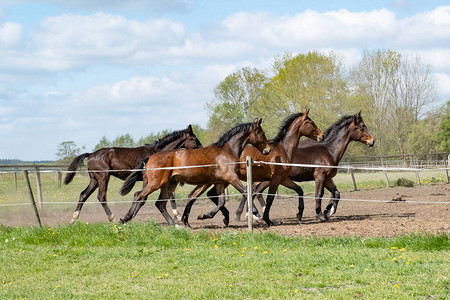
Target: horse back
263	172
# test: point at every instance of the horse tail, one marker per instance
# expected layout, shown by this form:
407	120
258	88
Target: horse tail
132	178
76	163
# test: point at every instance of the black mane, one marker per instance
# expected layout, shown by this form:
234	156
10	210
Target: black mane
336	127
285	127
169	138
227	136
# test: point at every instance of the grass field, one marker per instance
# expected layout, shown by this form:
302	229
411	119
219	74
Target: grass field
146	261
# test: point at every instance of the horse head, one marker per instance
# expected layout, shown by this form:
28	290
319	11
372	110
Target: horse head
359	131
190	139
309	129
258	138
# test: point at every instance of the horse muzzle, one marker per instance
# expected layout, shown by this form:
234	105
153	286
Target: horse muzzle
266	151
320	138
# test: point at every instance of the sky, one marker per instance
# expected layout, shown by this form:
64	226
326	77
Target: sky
84	69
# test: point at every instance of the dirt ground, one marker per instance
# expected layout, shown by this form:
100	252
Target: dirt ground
368	213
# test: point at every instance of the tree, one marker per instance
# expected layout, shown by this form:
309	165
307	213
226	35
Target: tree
444	133
397	88
233	97
67	151
124	140
424	135
311	80
103	143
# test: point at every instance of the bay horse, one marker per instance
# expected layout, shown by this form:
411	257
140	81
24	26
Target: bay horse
282	149
329	152
117	162
214	164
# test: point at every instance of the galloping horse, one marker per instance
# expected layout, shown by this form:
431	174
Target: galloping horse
166	169
329	152
282	149
103	163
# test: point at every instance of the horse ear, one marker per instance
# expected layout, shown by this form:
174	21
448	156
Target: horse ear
306	112
259	122
189	129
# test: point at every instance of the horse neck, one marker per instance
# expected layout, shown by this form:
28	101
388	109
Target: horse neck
172	145
291	139
338	144
237	143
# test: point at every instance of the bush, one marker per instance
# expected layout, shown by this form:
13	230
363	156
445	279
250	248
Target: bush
404	182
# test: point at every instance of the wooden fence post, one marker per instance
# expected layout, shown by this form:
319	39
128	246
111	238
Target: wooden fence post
353	178
249	194
15	180
59	172
38	184
30	193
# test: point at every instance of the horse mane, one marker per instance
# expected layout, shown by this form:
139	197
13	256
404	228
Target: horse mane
169	138
228	135
285	127
336	127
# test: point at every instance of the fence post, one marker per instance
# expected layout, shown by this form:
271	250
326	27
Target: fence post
249	194
386	178
417	177
59	177
38	184
15	180
353	178
30	193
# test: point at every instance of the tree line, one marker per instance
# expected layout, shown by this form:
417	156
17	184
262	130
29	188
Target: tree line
396	93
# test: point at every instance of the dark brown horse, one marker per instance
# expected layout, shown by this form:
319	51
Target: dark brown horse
118	161
329	152
214	164
282	149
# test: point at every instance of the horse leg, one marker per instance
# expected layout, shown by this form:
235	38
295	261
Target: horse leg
335	196
259	197
319	195
138	202
272	190
293	186
220	204
173	204
162	202
196	192
212	195
93	184
101	196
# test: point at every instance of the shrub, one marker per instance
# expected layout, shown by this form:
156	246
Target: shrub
404	182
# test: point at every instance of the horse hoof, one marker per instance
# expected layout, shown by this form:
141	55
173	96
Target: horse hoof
321	217
178	226
201	217
226	221
122	221
111	218
72	221
299	216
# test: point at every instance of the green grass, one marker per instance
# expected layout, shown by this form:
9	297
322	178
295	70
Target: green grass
146	261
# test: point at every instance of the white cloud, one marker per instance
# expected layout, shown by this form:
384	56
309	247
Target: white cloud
444	85
10	34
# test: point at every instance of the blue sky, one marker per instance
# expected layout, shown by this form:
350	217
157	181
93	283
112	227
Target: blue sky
85	69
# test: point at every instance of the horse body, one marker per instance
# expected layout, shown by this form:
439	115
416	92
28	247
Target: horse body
103	163
166	169
329	152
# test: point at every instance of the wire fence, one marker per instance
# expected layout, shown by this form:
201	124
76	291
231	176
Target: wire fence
353	170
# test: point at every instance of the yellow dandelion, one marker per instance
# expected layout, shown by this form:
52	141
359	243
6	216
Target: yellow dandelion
407	262
394	259
403	249
55	255
400	256
242	255
234	243
12	251
167	274
330	271
295	291
366	269
265	252
216	246
393	248
58	286
231	271
284	250
352	266
230	285
187	249
216	239
397	286
256	247
159	277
